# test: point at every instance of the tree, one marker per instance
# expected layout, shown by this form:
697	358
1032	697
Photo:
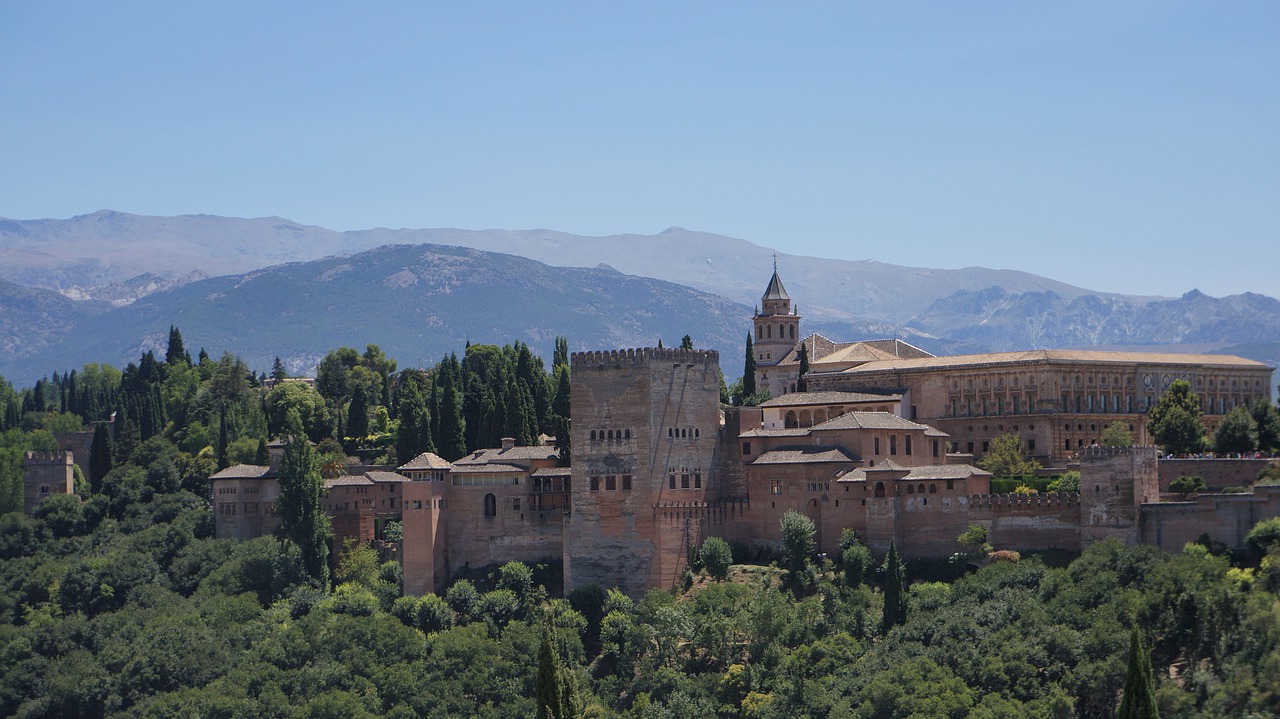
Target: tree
686	343
749	370
301	504
1237	432
1117	434
716	557
1186	485
560	356
1139	700
1175	421
262	457
1005	458
358	415
801	385
175	352
1265	536
797	540
99	456
1267	419
555	689
277	370
895	590
975	538
299	398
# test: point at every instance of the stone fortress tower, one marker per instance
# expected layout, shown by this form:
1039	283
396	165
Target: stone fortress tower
645	444
45	474
775	331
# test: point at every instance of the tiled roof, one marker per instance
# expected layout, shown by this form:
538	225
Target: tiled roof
481	468
1056	356
387	477
517	454
348	480
868	420
552	472
809	455
929	472
802	399
764	432
426	460
245	471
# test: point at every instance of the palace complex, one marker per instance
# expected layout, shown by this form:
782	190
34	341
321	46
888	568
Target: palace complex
884	441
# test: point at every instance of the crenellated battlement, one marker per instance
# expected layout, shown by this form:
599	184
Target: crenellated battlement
639	357
1105	452
55	457
1025	501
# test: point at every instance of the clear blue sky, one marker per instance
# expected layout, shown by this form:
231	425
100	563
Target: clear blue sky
1130	147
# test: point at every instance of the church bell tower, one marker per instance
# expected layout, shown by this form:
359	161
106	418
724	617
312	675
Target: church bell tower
776	328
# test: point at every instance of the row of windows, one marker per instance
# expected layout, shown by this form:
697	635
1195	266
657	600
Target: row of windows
893	445
484	480
250	508
683	432
996	407
684	480
610	482
609	434
491	505
436	503
765	331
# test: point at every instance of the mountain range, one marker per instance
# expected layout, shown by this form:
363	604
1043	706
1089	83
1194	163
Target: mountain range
106	286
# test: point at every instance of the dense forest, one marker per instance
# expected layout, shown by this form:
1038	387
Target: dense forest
118	601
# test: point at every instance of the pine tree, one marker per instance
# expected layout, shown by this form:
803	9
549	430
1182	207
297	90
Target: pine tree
686	343
301	504
175	352
801	385
749	370
99	457
895	591
1139	700
277	370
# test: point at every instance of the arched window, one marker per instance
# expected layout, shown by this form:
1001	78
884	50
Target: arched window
593	435
933	489
879	489
910	489
490	505
790	420
626	434
770	329
697	432
920	489
759	332
609	434
793	331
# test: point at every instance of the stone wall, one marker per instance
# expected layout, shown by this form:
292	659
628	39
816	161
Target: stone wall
1225	518
1114	481
1218	474
1029	522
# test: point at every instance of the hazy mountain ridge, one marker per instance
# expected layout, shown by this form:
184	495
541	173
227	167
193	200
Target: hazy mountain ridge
417	302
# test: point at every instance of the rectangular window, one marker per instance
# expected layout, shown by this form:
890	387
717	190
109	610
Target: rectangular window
684	481
893	444
875	445
775	486
985	446
595	484
746	448
417	503
515	504
611	482
969	446
950	484
250	507
626	483
1031	445
671	481
697	480
935	448
907	449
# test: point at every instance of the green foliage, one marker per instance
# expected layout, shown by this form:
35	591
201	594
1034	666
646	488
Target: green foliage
1117	434
1068	482
856	563
1005	457
1186	485
975	539
801	385
1175	422
748	373
301	504
309	405
1237	432
1265	536
797	540
895	590
357	564
1139	701
716	557
1267	419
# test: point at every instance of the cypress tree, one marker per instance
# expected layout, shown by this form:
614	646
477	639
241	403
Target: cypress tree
561	354
749	370
175	352
358	415
302	517
801	386
1139	700
99	457
262	457
895	591
556	689
223	439
453	442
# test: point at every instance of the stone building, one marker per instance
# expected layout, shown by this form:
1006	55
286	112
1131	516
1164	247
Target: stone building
45	474
244	501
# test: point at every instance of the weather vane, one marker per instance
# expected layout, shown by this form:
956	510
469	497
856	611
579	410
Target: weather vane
775	260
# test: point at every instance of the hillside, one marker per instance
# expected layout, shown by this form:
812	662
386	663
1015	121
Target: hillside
416	302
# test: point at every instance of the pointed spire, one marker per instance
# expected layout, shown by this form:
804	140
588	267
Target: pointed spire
775	290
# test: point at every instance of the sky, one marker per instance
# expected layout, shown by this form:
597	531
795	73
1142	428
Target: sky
1123	147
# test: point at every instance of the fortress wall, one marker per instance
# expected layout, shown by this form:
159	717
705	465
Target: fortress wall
45	474
1029	522
1114	481
1216	473
1225	518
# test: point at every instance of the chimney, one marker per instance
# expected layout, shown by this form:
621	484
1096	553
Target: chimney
508	443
